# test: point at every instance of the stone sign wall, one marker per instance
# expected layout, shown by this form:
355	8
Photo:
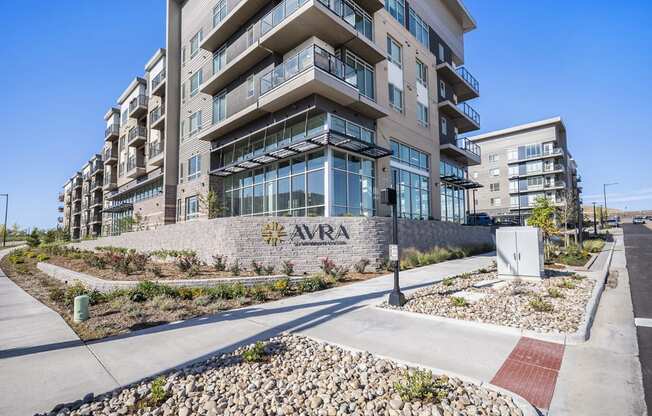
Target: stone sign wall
303	240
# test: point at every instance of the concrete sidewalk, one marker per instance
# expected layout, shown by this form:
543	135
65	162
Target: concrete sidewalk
603	376
42	361
341	315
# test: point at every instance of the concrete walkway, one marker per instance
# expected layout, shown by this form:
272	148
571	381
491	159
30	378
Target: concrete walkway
603	376
42	361
341	315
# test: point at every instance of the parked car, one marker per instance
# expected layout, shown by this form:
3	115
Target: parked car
613	221
480	218
648	217
638	220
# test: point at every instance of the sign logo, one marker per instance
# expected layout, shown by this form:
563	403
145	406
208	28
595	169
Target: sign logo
273	233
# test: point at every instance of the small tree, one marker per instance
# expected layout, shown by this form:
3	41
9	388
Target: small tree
543	216
33	240
211	204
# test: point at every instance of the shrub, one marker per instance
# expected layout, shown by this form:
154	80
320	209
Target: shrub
339	273
420	385
112	249
163	253
258	292
96	261
149	290
458	301
235	268
16	257
282	286
255	353
566	284
119	262
155	269
194	270
257	267
287	267
42	257
313	284
540	305
361	265
593	245
163	302
219	263
203	300
186	262
268	270
78	289
33	240
158	395
448	281
327	266
553	292
138	261
57	295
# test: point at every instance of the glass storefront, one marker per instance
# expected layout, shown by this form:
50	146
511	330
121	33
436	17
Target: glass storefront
410	173
453	197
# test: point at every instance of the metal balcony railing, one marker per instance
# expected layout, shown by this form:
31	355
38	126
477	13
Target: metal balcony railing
470	79
307	58
155	149
156	114
109	153
140	101
138	131
470	112
112	129
158	79
133	163
468	145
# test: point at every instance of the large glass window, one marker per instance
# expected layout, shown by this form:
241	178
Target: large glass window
365	74
413	194
194	43
453	197
219	60
395	97
195	82
353	185
422	115
397	9
409	155
219	107
419	28
192	207
219	12
394	52
195	122
422	73
194	167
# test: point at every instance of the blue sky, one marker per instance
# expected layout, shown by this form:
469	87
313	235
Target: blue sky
64	64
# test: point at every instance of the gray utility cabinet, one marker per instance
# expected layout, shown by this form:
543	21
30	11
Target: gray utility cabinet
519	251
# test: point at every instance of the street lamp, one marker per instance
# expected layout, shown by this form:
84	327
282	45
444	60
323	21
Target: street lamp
604	193
595	221
388	197
4	231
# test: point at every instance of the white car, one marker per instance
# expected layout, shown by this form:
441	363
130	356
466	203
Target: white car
638	220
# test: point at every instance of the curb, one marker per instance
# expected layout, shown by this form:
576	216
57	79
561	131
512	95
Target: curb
527	408
578	337
67	276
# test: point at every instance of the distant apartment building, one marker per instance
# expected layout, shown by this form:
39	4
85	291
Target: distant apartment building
523	163
295	108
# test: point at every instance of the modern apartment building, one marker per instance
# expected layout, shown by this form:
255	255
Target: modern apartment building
523	163
295	108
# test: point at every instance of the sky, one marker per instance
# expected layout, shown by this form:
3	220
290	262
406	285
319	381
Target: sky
64	63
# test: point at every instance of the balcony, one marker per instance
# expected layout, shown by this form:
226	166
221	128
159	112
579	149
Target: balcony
60	209
96	203
138	106
216	78
112	132
95	219
157	118
293	21
223	25
557	185
155	153
60	220
466	87
77	183
109	182
137	136
546	154
315	71
97	167
61	197
463	115
463	151
110	155
158	84
557	168
135	167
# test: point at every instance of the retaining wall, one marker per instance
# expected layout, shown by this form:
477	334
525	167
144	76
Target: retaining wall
303	240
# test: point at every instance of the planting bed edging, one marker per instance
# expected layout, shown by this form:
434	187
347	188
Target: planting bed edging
581	335
69	276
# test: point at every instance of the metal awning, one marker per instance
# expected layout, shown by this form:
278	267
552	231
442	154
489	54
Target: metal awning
462	182
332	138
125	206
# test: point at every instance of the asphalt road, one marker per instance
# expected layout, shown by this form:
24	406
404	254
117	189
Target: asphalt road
638	250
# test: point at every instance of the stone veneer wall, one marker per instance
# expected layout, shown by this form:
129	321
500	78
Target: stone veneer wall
240	238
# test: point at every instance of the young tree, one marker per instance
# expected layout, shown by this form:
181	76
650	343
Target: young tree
210	204
543	216
33	240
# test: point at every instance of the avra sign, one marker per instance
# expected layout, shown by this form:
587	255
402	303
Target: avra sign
274	233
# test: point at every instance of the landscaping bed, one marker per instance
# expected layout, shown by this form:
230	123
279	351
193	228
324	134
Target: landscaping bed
150	304
289	375
555	304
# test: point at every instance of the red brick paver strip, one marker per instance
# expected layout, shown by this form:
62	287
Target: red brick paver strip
531	371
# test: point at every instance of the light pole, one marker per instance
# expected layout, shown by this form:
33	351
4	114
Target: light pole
595	221
604	193
388	197
4	230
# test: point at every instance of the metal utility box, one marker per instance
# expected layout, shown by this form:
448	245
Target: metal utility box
519	251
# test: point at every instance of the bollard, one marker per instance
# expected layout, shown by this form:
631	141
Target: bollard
81	308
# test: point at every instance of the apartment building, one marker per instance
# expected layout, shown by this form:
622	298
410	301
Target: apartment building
523	163
295	108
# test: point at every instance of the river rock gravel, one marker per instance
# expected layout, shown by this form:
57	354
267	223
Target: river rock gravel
298	376
510	303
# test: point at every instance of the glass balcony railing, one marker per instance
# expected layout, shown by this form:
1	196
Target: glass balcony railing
138	131
112	129
158	79
108	179
466	75
156	114
347	11
109	153
470	112
468	145
155	149
140	101
133	163
307	58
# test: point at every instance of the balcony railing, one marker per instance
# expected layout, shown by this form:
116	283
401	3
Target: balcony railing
307	58
109	153
470	112
158	79
470	79
140	101
108	179
468	145
113	129
132	163
347	11
155	149
138	131
156	114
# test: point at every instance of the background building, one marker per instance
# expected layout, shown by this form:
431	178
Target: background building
523	163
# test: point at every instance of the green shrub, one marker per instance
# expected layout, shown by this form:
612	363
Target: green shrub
257	267
78	289
112	249
185	262
163	302
448	281
422	386
553	292
149	290
42	257
203	300
540	305
566	284
287	267
93	260
339	273
33	240
258	292
593	245
255	353
219	263
281	285
327	265
458	301
312	284
268	270
157	391
361	265
235	268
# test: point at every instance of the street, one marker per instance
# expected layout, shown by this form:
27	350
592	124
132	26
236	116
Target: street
638	250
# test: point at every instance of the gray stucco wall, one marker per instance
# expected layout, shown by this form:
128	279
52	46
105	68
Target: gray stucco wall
306	239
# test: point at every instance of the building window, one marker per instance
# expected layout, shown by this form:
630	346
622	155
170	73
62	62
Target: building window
394	52
441	52
419	28
533	150
194	167
183	55
535	181
353	185
365	75
194	44
413	194
178	209
396	98
219	107
422	115
250	86
219	12
124	117
495	202
192	207
494	187
512	154
219	60
444	126
397	9
195	122
452	199
493	157
494	172
409	156
422	73
195	82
